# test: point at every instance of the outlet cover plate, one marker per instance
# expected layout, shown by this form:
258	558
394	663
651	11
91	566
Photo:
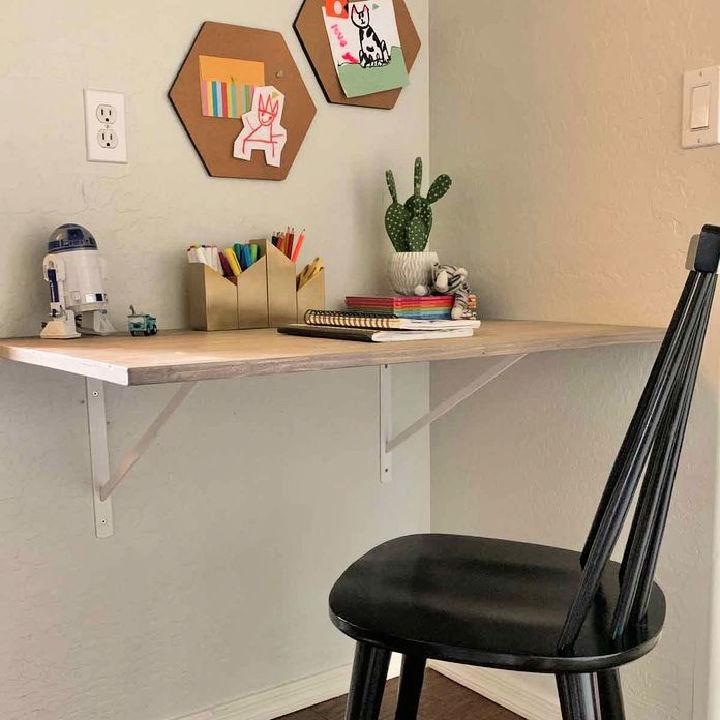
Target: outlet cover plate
105	141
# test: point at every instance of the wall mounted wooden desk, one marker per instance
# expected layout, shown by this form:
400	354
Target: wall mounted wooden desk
178	357
187	358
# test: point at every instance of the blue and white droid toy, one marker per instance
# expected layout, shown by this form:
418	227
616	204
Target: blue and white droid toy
75	271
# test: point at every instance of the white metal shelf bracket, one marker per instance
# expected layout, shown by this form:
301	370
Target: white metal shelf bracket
104	482
389	443
99	456
385	423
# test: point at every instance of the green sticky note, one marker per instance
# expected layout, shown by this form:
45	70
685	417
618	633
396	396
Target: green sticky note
357	81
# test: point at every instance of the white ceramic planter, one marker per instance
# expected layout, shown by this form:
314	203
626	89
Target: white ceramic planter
408	270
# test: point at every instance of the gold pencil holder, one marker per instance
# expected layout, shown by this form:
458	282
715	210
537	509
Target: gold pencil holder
281	284
252	294
213	299
263	296
311	296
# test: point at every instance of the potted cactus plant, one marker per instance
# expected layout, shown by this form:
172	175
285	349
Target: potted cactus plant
408	227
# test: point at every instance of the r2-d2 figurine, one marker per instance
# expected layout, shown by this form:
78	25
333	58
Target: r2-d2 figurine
75	271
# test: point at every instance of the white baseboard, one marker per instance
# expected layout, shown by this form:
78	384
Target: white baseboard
289	698
504	688
500	686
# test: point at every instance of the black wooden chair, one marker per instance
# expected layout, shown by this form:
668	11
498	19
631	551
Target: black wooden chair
518	606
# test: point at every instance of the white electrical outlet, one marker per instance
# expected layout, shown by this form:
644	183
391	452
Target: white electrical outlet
105	126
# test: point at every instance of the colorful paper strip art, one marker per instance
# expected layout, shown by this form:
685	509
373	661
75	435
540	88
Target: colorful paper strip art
227	85
225	100
262	129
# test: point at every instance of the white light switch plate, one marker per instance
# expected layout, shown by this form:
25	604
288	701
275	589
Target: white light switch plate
105	135
701	107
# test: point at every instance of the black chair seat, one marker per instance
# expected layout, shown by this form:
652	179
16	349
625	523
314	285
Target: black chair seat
485	602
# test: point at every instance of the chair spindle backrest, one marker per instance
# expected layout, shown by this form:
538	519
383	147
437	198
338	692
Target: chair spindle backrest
650	452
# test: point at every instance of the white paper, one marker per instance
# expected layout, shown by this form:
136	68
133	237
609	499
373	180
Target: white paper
261	127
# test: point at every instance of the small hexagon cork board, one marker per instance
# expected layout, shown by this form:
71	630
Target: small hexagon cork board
311	30
215	88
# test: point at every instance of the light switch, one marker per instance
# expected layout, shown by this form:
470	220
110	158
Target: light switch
700	107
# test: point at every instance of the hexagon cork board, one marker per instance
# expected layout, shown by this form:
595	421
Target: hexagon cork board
215	97
311	30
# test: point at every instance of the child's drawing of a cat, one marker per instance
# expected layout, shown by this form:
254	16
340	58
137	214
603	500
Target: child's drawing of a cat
373	50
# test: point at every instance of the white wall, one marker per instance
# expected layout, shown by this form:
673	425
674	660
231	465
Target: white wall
560	123
227	538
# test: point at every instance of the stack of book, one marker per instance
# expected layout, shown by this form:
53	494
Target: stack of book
432	307
378	326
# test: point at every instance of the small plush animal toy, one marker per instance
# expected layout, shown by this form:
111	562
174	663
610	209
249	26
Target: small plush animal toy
451	280
373	50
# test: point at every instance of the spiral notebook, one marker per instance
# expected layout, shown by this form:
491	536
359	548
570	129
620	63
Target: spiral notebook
381	321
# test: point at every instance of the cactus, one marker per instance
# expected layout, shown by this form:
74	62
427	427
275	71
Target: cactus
409	225
397	217
417	235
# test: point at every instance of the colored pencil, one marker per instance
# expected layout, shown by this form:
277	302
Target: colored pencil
298	247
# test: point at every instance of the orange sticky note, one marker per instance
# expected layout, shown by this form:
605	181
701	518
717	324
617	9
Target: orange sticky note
230	70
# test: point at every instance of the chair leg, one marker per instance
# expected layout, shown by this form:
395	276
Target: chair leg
610	695
578	696
367	686
410	688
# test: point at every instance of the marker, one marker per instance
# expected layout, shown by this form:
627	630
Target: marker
232	259
246	257
215	258
238	250
226	269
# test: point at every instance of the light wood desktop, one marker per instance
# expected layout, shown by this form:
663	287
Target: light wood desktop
187	358
176	357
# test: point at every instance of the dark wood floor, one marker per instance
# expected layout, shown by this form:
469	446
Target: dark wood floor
441	700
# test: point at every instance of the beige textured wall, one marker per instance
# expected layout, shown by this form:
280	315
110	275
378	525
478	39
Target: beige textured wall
215	584
560	123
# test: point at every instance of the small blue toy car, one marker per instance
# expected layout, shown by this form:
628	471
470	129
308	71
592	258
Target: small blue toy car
141	323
